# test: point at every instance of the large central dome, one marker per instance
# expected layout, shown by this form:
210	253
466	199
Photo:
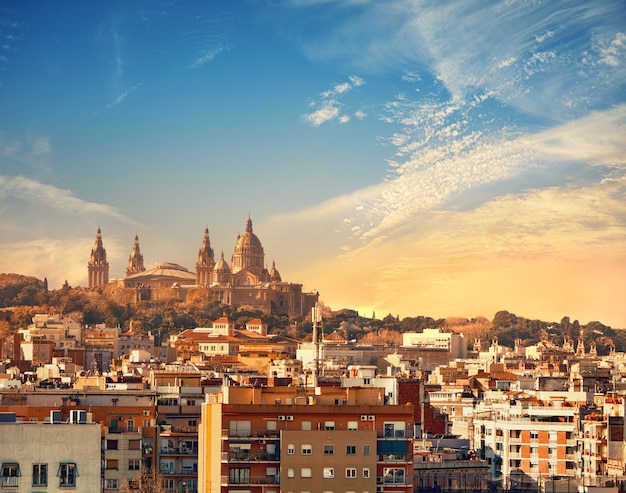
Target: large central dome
248	253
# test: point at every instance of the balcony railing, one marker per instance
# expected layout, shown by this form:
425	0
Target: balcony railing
395	458
250	457
178	451
394	434
251	480
9	481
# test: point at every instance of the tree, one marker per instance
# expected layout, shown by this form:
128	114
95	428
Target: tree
145	481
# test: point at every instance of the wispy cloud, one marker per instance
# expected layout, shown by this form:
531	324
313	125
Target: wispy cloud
208	55
57	259
32	150
32	191
119	99
328	108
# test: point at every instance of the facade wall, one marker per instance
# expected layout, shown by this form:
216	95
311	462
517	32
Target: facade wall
34	447
281	447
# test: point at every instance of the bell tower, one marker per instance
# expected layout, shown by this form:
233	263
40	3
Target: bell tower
206	262
135	259
98	267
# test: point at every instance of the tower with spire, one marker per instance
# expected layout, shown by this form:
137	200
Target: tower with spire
206	262
135	259
98	267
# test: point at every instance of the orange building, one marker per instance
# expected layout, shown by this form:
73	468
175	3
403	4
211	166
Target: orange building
291	440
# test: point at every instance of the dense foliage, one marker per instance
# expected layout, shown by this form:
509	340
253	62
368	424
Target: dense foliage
21	297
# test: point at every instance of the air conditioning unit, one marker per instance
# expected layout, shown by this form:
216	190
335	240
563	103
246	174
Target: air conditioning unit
363	417
289	418
281	418
370	417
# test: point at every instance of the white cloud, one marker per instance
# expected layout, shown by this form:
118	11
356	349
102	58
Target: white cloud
329	108
615	53
51	197
328	111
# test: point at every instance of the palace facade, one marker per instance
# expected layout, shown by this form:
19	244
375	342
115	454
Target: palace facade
245	282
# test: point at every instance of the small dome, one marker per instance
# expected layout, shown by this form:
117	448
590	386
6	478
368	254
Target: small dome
221	265
274	274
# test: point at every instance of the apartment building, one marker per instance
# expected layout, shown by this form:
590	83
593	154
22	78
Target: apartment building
179	396
525	440
51	456
247	444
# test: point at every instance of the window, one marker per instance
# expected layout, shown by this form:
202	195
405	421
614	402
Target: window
350	472
134	444
393	475
291	472
394	429
40	474
134	464
366	449
329	449
350	449
67	474
239	475
111	464
353	425
306	449
168	484
291	449
534	435
329	472
366	472
111	444
329	425
238	428
111	484
10	473
306	472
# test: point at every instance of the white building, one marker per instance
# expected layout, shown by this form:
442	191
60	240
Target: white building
436	340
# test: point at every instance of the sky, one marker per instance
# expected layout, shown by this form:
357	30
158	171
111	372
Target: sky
436	158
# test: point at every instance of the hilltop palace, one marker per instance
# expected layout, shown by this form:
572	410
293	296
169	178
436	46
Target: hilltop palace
246	282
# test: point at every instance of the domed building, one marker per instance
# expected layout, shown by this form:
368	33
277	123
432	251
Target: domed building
245	282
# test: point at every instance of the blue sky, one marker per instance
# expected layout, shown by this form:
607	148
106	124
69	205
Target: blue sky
407	157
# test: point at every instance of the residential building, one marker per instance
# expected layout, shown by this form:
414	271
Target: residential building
252	440
51	456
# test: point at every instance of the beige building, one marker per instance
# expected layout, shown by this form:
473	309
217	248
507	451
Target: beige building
52	457
247	281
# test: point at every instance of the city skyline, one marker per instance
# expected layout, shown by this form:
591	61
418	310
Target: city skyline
406	157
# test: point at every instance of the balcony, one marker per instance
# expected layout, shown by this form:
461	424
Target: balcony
395	458
397	481
394	433
249	457
10	481
178	451
251	480
180	471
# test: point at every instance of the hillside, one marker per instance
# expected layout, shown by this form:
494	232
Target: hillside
28	295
